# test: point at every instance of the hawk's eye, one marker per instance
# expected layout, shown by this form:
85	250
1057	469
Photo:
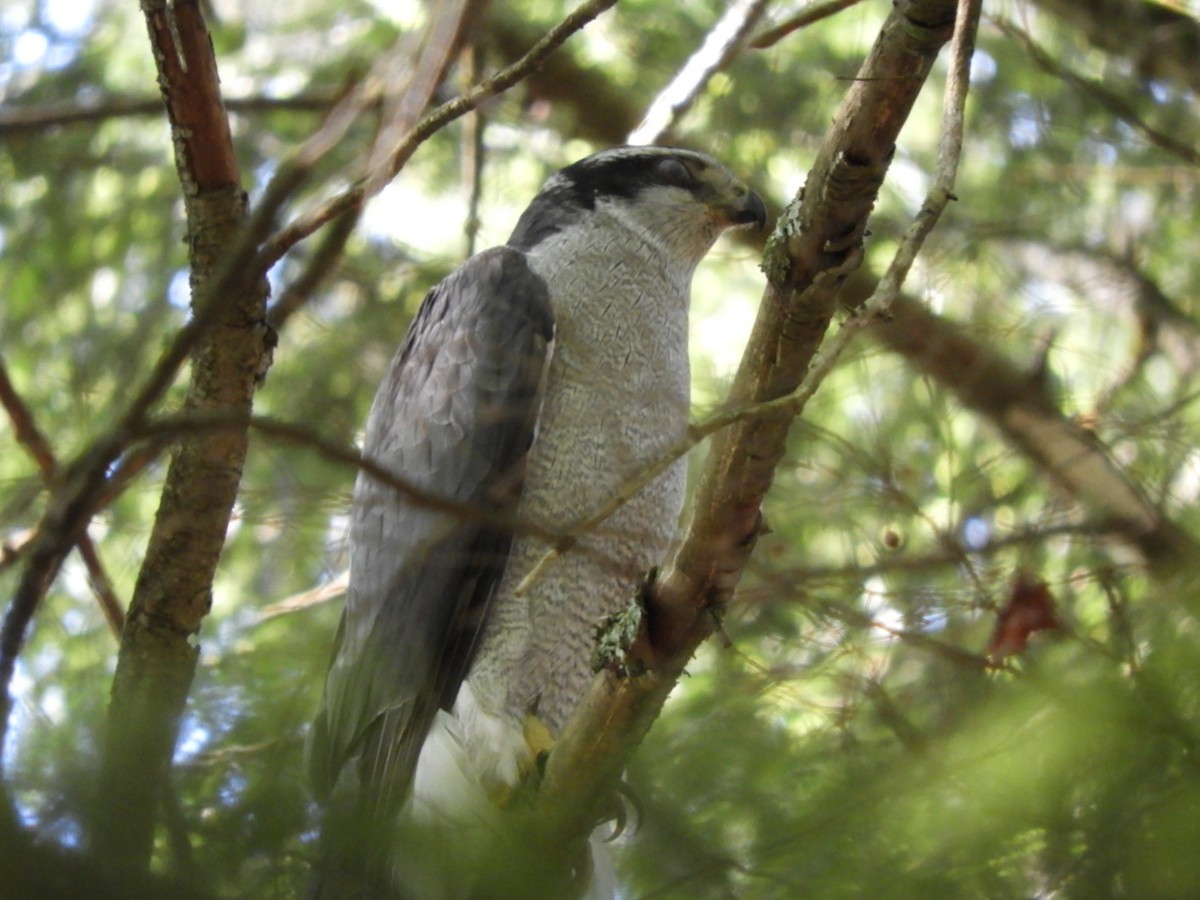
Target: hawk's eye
673	172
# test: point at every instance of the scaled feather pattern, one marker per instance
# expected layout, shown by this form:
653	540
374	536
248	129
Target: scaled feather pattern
536	381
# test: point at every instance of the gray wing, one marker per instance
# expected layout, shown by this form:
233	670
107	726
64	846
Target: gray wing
455	416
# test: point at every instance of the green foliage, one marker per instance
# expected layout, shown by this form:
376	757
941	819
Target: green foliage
849	743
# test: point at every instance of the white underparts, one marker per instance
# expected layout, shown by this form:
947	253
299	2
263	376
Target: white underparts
470	760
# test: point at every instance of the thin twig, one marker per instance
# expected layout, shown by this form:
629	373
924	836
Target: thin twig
323	261
24	427
918	639
947	556
940	194
283	240
719	49
106	597
16	120
29	435
814	13
229	754
171	428
1112	102
329	590
473	149
408	95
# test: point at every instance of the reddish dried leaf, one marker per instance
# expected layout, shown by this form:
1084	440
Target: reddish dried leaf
1030	608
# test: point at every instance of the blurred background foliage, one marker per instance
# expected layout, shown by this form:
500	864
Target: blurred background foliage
850	735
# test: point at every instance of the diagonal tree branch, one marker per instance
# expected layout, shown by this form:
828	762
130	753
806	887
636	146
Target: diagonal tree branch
12	633
601	111
1160	40
1018	405
812	13
309	222
1110	100
409	85
408	96
723	43
26	430
204	422
815	245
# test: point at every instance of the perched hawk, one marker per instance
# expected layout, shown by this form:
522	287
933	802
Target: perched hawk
537	379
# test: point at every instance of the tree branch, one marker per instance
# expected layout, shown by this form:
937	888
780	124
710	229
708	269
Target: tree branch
473	150
1161	41
26	430
44	555
815	12
173	590
1118	106
1018	405
177	427
815	245
18	120
307	223
324	260
408	96
602	111
723	43
409	85
951	554
35	442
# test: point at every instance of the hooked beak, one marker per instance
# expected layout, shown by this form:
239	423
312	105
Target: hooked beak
750	210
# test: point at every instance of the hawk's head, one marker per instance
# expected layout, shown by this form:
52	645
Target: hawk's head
679	199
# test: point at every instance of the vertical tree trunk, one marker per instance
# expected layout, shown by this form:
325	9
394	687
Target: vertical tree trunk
173	592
